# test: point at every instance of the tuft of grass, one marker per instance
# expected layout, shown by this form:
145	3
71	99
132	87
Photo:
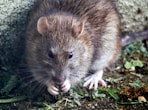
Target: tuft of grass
12	100
10	85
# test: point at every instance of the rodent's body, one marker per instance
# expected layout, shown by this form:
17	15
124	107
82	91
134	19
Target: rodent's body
68	38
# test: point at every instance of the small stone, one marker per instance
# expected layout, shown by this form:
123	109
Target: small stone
142	99
89	105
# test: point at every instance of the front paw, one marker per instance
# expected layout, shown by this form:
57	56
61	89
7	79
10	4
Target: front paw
65	86
93	80
52	89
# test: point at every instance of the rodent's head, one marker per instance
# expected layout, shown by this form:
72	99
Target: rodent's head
63	49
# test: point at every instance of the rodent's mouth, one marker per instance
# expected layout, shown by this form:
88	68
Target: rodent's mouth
59	83
56	83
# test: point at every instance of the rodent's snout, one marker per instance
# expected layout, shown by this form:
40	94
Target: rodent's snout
59	80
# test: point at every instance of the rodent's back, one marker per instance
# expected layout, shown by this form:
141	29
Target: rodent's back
98	13
95	11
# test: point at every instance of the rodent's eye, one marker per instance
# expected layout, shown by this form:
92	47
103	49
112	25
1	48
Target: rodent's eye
50	54
70	55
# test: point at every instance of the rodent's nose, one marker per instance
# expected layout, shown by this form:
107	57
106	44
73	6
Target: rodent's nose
59	79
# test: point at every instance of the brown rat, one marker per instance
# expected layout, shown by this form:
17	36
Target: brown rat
66	39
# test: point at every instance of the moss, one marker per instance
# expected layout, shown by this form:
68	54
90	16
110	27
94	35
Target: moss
13	19
134	14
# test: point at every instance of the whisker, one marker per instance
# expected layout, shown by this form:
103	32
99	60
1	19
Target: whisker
75	75
35	69
29	82
26	77
39	86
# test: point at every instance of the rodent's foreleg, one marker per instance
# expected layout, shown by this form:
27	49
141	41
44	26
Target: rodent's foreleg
55	91
52	89
93	80
65	86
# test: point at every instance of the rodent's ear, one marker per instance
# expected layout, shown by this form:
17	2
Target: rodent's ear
42	25
77	27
